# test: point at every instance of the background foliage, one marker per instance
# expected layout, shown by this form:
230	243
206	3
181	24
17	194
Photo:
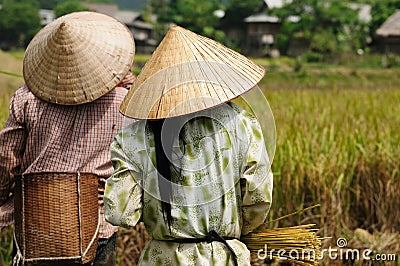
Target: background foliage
67	7
19	22
195	15
328	27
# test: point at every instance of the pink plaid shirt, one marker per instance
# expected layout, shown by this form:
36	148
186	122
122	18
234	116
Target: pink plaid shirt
40	136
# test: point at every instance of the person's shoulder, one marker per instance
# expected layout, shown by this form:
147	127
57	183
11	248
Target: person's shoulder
241	111
23	93
120	93
247	120
135	130
230	110
136	125
22	96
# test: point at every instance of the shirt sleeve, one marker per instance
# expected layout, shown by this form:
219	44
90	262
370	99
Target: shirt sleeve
12	143
123	193
256	181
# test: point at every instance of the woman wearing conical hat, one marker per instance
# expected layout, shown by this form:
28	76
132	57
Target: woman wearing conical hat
63	120
194	168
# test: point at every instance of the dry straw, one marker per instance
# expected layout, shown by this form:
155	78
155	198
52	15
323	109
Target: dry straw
78	58
301	244
188	73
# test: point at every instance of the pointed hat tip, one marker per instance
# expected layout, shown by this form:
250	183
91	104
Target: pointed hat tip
175	27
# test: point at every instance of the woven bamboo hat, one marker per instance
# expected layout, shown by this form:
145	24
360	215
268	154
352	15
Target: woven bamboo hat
188	73
78	58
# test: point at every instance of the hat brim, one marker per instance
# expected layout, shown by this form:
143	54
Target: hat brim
189	73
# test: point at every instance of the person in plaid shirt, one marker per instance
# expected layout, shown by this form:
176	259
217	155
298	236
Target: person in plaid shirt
47	131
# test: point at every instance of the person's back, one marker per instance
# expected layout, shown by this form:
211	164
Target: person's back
59	129
195	169
63	138
219	182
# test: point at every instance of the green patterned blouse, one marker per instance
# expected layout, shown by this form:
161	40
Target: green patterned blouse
221	181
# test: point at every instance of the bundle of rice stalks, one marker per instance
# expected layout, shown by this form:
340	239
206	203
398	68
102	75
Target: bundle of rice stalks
297	244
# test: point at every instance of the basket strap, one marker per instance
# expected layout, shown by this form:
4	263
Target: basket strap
94	237
18	259
23	214
78	183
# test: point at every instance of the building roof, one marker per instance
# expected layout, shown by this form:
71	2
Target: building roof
264	18
276	3
261	18
126	17
391	27
141	25
129	18
273	3
107	9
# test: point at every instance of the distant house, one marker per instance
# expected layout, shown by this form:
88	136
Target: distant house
261	32
262	29
388	35
142	32
240	32
46	16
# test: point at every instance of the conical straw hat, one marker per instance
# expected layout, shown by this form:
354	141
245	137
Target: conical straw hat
188	73
78	58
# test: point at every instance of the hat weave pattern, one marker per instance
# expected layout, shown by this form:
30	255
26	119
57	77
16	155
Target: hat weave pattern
78	58
189	73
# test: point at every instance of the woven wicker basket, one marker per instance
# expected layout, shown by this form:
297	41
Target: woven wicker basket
56	218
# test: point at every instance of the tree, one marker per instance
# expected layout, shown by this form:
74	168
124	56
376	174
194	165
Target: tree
51	4
380	11
235	13
34	3
19	22
238	10
69	7
195	15
327	26
48	4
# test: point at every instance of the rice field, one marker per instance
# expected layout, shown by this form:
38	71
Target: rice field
338	145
